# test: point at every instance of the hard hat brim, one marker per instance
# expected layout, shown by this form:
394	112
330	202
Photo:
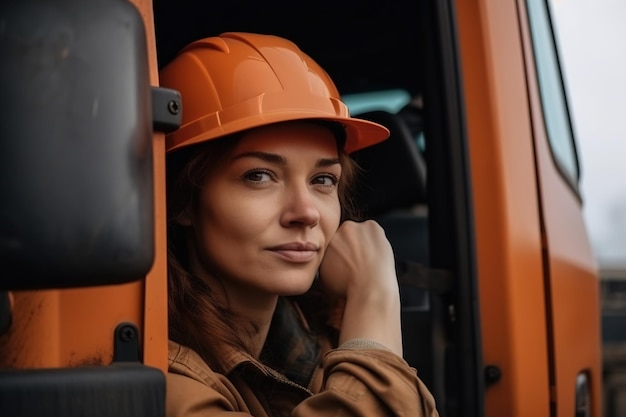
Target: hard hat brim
360	133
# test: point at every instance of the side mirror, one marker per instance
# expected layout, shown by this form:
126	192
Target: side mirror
76	174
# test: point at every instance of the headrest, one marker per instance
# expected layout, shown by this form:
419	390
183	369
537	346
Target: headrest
394	171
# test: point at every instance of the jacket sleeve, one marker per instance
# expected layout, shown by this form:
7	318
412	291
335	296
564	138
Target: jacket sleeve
367	383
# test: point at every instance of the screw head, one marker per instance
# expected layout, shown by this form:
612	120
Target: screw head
127	333
173	106
492	374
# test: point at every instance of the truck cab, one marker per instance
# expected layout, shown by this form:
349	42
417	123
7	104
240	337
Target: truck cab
477	189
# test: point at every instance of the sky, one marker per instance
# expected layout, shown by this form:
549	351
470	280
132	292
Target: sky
590	35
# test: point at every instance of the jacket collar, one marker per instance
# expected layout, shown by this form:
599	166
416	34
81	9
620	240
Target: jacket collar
291	350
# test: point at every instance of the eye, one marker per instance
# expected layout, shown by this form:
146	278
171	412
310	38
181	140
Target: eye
326	180
258	176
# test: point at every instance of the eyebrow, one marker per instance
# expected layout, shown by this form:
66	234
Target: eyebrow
280	160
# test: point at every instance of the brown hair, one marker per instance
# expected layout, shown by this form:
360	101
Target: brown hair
198	319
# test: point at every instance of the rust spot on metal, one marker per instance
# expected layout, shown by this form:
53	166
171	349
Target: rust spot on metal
98	359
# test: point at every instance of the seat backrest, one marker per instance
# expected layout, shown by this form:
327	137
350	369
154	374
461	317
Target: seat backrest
393	191
394	171
392	187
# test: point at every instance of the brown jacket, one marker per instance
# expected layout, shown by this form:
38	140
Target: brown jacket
360	379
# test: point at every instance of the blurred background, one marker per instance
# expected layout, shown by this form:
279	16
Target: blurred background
591	40
591	35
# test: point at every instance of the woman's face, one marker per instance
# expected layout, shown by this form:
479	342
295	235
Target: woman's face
265	218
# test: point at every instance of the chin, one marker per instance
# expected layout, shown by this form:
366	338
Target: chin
296	287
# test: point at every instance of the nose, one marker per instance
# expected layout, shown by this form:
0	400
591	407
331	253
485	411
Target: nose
299	207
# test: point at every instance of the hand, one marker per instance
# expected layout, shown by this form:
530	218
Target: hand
359	266
359	258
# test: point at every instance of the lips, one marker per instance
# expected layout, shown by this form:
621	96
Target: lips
296	252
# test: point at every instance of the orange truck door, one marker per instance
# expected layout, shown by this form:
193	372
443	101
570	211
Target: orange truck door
538	283
571	276
83	211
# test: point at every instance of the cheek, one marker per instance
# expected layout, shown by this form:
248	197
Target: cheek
230	219
331	216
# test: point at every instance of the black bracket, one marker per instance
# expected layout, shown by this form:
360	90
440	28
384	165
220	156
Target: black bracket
6	314
126	343
167	109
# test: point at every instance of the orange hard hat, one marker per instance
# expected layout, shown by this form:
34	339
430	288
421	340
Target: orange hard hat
237	81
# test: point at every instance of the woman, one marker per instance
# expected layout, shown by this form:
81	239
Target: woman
279	304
